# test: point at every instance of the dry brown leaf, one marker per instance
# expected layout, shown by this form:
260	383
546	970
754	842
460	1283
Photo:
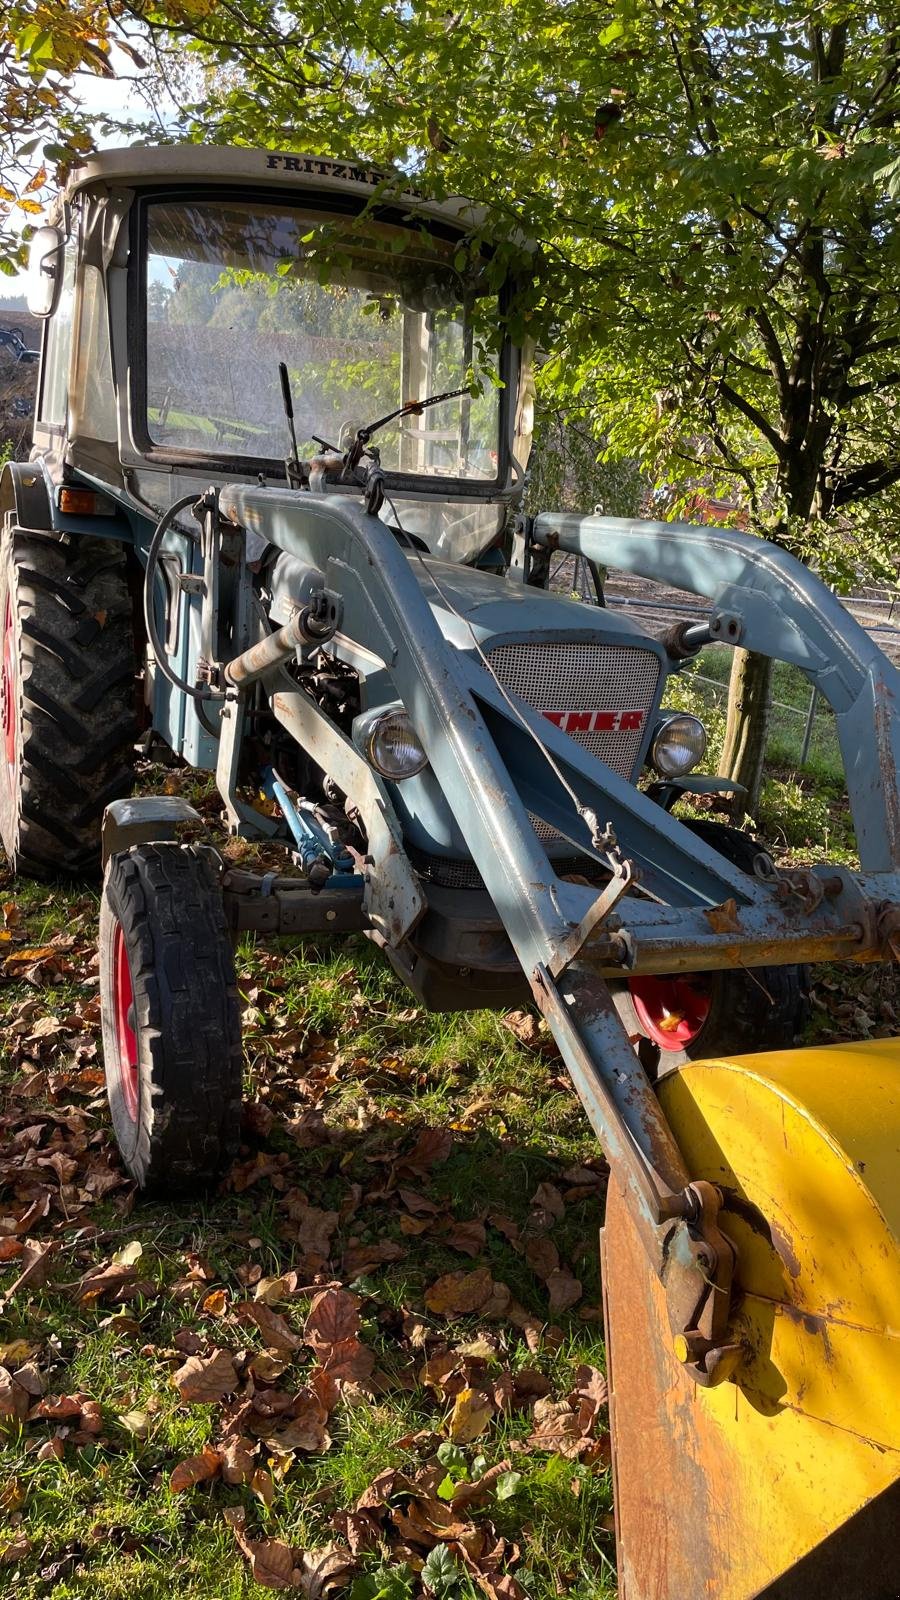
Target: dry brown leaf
238	1457
589	1395
263	1486
349	1360
102	1281
275	1331
418	1204
333	1316
457	1293
542	1255
17	1548
432	1147
271	1561
547	1205
467	1237
195	1469
470	1494
565	1290
558	1430
361	1258
203	1379
14	1400
472	1411
524	1025
304	1430
320	1572
60	1407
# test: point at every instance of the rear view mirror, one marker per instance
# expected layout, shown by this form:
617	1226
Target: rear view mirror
44	271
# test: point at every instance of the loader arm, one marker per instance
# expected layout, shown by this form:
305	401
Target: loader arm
482	748
765	600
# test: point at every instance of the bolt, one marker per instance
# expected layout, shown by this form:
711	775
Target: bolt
689	1346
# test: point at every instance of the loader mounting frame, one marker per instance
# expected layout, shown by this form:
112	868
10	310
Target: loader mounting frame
686	908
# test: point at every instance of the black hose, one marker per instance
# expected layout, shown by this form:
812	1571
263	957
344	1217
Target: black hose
162	527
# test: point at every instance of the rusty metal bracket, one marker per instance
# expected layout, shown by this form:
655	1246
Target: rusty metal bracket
623	876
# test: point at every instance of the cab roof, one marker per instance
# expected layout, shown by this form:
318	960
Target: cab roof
140	166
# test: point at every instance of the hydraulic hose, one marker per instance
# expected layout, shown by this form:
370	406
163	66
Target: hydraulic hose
195	691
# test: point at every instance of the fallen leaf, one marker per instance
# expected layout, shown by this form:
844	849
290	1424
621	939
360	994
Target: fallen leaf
60	1406
262	1485
432	1147
472	1411
565	1290
275	1331
459	1292
467	1237
333	1316
195	1469
16	1550
349	1360
589	1395
470	1494
238	1459
137	1423
271	1561
542	1255
129	1254
203	1379
547	1205
319	1572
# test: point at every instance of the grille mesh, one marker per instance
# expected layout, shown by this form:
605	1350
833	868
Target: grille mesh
583	676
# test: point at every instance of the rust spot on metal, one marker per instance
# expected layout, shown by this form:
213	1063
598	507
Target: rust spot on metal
724	918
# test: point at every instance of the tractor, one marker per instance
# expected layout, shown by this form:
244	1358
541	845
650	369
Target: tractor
272	521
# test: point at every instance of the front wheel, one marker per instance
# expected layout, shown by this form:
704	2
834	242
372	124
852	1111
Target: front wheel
694	1016
170	1017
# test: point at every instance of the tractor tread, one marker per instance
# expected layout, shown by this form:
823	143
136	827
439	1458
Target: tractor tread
76	693
168	902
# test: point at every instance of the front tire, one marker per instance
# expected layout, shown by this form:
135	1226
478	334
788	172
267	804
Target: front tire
170	1016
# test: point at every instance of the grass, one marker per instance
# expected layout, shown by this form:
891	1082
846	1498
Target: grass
331	1035
804	812
327	1027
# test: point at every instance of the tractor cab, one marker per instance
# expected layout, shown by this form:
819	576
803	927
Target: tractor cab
193	302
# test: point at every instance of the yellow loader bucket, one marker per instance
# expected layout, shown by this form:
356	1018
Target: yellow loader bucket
785	1481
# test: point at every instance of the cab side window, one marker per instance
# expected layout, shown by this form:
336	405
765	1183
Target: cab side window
57	350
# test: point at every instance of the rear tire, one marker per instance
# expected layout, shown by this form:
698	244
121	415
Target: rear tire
68	698
170	1016
735	1011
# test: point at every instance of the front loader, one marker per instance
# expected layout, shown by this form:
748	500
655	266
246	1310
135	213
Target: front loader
272	522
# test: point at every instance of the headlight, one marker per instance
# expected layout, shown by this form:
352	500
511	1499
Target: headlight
390	744
678	745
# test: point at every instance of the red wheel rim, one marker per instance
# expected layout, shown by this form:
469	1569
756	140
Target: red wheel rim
126	1062
8	694
671	1011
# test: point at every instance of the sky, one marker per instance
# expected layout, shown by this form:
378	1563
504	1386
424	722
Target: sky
100	97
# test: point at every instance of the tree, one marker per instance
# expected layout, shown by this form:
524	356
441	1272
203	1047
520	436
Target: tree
708	184
710	187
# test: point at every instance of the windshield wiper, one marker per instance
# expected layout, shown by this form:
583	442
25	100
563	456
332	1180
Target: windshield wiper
412	408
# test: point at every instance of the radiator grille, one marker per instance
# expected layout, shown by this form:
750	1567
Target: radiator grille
584	676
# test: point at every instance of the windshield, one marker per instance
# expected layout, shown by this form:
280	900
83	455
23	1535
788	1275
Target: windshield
366	314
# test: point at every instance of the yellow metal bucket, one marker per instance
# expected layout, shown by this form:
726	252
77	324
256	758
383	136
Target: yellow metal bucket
784	1482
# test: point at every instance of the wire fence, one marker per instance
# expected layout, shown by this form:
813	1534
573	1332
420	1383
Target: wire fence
801	729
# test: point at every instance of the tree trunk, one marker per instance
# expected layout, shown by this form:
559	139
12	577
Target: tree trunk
749	704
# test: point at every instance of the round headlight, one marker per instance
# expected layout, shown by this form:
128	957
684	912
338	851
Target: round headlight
392	746
678	745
